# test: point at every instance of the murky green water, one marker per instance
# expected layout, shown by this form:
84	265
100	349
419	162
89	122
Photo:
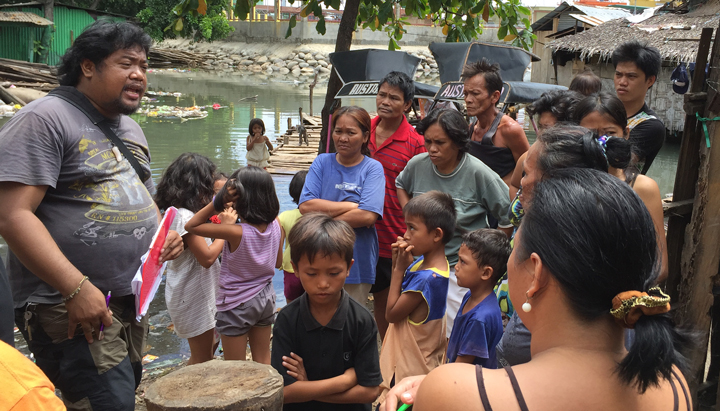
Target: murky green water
221	137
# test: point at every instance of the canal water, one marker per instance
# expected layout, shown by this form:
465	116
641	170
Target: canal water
221	137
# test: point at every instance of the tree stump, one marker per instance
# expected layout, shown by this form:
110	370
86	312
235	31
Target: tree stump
218	386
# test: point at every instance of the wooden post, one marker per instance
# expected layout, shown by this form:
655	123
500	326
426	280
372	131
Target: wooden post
701	252
217	386
312	87
687	169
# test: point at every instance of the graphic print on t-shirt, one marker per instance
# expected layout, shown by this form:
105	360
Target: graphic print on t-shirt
349	187
117	199
639	118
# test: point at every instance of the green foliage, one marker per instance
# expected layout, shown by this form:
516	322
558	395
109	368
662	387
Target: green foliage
291	25
462	20
201	20
38	47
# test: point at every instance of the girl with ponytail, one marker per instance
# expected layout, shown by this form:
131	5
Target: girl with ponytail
585	264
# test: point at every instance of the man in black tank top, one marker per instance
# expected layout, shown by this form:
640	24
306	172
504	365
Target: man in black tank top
496	139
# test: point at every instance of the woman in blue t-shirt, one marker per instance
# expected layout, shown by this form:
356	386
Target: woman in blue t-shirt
350	186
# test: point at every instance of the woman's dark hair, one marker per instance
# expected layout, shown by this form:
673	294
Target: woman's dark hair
586	83
619	150
186	183
453	124
603	103
565	146
402	81
296	185
613	249
257	202
559	103
363	119
96	43
436	209
253	123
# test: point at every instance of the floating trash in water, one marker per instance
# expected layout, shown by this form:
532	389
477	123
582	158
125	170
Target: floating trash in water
147	359
183	113
163	93
162	363
7	110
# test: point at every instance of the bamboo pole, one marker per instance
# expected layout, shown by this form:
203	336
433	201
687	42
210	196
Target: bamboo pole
701	250
687	171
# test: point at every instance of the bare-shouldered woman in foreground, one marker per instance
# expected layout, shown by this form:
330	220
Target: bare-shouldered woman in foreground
585	258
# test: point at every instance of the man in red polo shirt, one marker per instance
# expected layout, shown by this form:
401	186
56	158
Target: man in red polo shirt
393	141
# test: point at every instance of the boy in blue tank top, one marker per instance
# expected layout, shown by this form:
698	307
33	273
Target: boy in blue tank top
478	327
416	338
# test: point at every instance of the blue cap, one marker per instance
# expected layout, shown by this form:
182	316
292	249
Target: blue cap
680	79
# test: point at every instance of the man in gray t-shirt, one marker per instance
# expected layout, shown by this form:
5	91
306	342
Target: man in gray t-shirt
95	208
77	218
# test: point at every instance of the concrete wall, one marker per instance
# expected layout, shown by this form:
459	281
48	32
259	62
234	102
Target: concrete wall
305	32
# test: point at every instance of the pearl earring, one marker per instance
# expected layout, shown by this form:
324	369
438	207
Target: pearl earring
526	306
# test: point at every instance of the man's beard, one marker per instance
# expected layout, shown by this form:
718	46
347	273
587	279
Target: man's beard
117	106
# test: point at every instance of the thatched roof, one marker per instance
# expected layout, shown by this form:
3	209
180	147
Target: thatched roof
660	31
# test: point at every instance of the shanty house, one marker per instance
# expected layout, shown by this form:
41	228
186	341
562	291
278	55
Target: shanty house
567	19
676	36
26	35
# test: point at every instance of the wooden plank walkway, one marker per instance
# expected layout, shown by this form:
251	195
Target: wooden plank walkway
290	158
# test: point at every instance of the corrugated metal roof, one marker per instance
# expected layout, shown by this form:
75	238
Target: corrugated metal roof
23	18
593	21
69	6
565	22
603	13
32	3
545	23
